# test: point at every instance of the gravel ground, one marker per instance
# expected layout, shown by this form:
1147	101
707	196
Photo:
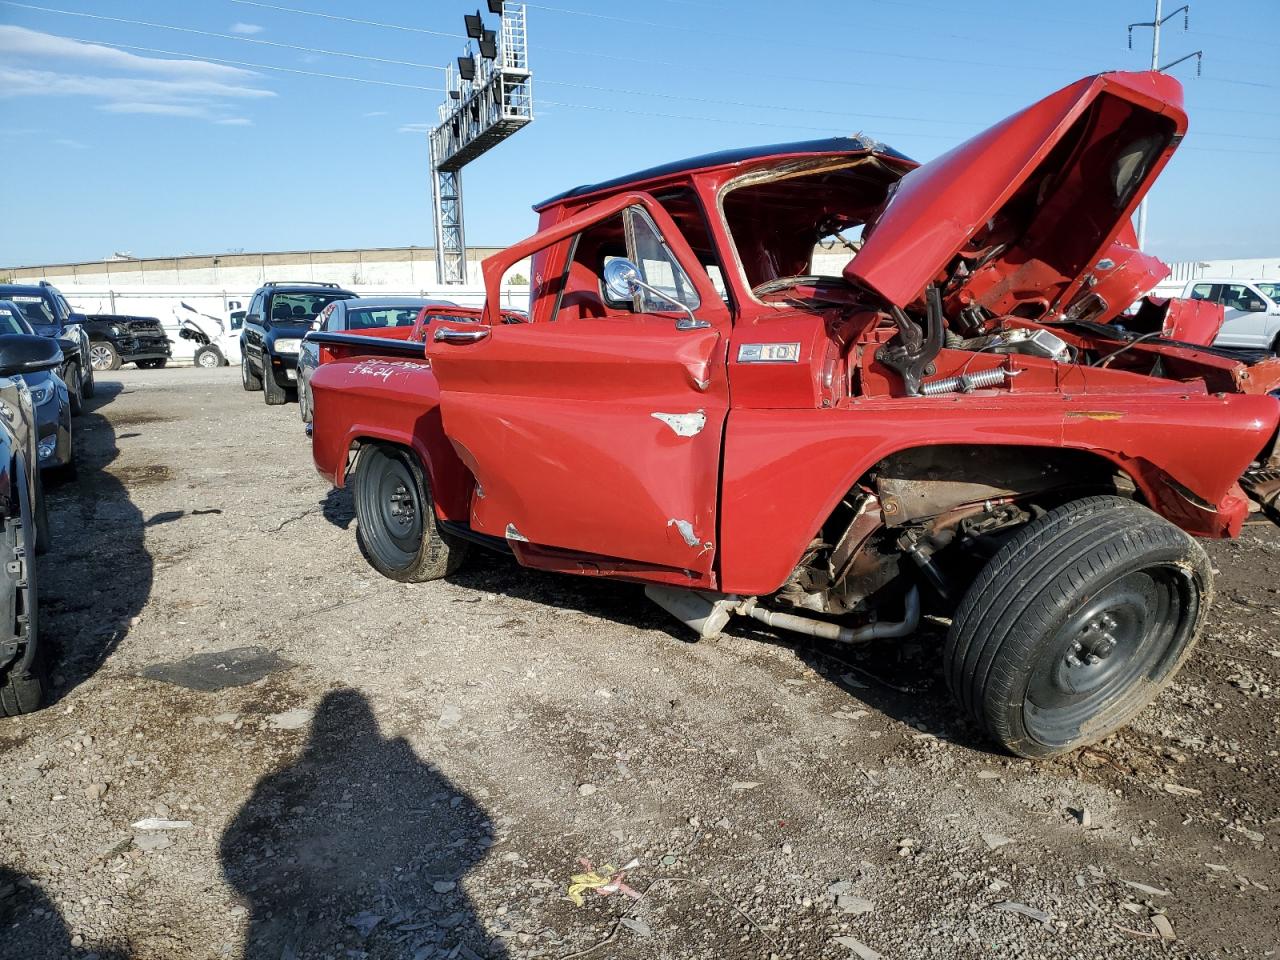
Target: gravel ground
335	765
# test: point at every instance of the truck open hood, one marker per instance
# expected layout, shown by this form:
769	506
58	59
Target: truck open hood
1030	205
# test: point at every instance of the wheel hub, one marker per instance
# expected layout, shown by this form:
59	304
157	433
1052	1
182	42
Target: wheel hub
1094	643
400	506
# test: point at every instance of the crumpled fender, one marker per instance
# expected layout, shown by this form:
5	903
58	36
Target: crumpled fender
786	470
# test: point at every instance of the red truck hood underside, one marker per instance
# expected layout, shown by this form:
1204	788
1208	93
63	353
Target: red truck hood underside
1031	204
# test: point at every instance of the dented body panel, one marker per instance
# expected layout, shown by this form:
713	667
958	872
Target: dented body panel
754	438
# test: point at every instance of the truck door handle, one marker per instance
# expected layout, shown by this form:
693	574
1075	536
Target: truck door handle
452	335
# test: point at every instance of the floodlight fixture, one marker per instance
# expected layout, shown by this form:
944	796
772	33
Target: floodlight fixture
489	45
467	67
475	25
495	6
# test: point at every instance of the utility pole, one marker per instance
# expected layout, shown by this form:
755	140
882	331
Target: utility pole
1155	26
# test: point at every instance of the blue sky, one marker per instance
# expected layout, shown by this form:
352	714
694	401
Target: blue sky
116	148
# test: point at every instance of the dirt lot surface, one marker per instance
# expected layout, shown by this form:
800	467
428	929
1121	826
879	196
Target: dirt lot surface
334	765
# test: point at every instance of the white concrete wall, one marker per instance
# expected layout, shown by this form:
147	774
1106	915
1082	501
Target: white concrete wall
162	302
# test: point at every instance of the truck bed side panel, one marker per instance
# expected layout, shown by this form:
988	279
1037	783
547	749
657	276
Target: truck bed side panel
398	401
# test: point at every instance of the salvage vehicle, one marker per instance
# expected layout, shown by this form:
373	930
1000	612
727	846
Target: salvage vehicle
115	339
24	522
49	314
951	424
280	314
50	403
217	339
1252	315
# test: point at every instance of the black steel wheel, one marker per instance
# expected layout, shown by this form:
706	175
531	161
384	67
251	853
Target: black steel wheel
155	364
395	519
1076	624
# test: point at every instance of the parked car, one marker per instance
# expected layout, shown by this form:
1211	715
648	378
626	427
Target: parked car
395	318
280	314
217	340
1251	318
50	402
115	339
24	523
950	424
50	315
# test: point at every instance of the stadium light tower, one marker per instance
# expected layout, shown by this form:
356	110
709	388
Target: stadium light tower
490	97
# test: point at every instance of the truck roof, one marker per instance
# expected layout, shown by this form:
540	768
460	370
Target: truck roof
726	158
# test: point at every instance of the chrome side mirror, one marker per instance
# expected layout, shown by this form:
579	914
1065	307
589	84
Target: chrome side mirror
622	280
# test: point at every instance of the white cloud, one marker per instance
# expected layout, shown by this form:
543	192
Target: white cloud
156	109
376	113
415	128
247	29
130	85
234	122
20	42
70	144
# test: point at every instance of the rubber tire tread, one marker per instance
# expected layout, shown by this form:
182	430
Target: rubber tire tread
439	555
1002	618
273	393
74	397
248	380
91	386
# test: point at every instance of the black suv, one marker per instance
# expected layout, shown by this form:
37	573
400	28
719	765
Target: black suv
50	315
115	339
279	316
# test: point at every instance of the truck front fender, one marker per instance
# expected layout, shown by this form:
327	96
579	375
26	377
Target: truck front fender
785	471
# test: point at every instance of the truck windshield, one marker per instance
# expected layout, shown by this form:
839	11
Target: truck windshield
788	223
1272	290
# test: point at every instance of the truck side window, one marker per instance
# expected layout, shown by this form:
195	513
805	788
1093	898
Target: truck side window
255	309
658	266
1202	291
1236	296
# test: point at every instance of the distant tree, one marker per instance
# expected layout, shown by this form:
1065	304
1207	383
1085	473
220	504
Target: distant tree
518	280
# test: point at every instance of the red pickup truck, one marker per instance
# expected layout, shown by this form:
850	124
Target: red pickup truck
958	420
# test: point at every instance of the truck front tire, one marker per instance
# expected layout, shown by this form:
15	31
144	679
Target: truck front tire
395	519
1076	624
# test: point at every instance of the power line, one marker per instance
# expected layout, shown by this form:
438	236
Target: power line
367	23
222	36
262	66
607	108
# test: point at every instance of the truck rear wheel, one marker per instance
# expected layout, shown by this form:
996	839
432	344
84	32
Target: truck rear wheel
1076	624
395	519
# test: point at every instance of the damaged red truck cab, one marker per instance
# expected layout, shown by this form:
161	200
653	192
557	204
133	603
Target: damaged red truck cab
960	420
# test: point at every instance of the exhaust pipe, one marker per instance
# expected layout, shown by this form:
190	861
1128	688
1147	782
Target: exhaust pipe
832	631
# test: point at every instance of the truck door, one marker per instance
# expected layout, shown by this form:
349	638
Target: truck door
1247	316
594	431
